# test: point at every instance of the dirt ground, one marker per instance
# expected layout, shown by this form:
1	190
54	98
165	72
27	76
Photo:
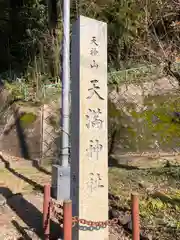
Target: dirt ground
21	187
21	200
157	180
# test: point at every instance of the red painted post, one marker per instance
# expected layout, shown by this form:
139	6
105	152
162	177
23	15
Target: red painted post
135	217
67	219
46	211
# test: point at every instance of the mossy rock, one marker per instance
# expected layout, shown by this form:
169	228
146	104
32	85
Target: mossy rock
153	126
27	119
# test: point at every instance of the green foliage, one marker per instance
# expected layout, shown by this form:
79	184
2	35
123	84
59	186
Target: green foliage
125	20
16	90
137	30
136	75
25	25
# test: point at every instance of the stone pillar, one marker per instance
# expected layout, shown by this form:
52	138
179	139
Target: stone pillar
89	134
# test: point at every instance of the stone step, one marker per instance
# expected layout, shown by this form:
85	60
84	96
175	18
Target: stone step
6	159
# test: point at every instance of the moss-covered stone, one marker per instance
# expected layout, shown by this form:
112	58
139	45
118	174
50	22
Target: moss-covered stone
150	128
27	119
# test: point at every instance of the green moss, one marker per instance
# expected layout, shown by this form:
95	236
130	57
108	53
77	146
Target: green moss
150	206
27	119
150	125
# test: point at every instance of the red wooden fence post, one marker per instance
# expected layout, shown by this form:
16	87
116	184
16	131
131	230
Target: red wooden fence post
46	211
67	219
135	217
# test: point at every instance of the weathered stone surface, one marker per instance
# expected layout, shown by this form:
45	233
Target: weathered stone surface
89	173
136	93
19	140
